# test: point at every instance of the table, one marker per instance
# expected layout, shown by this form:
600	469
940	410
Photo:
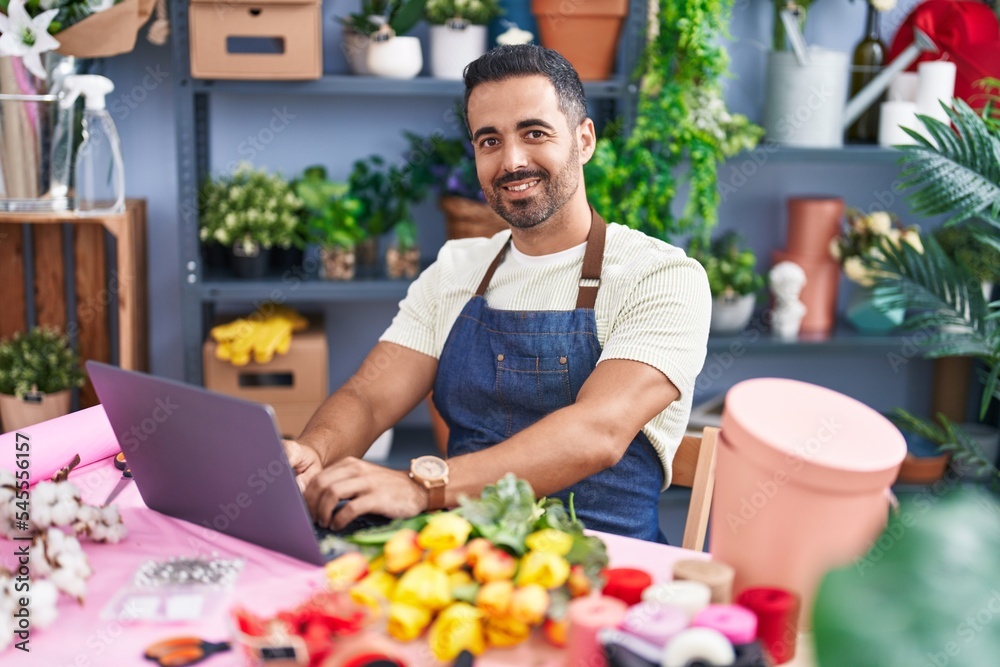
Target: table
269	582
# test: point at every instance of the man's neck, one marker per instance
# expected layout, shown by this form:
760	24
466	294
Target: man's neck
567	228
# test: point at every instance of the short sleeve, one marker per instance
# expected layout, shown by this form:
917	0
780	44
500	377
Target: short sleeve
414	326
664	321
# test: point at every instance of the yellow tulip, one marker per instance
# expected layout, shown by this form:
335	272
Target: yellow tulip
444	532
494	597
503	631
345	570
459	578
374	591
407	622
449	560
528	604
550	541
476	548
424	585
578	583
457	628
555	631
545	569
401	551
494	565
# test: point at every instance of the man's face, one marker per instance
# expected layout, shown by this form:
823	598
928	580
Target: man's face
527	155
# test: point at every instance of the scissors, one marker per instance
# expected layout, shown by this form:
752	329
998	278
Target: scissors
122	465
181	651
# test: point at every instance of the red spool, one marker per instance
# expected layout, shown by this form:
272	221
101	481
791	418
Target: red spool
626	584
777	612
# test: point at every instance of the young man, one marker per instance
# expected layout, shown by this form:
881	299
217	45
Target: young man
564	351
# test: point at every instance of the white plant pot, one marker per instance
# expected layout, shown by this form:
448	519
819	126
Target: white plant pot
454	48
730	315
379	451
804	105
395	58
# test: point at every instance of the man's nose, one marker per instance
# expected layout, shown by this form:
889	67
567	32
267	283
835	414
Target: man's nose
514	157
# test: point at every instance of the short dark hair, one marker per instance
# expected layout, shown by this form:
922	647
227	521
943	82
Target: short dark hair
515	60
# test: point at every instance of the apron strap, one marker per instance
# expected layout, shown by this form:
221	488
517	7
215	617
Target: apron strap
593	260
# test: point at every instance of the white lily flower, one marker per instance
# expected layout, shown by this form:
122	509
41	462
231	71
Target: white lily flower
27	37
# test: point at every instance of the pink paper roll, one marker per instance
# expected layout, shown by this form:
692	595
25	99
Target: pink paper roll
52	444
738	624
654	622
587	616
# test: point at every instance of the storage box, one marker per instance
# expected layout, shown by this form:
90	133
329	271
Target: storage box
294	384
241	39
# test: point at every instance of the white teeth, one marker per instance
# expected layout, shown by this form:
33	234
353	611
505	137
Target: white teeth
522	187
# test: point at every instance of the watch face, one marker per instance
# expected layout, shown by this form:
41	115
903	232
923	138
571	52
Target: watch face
429	468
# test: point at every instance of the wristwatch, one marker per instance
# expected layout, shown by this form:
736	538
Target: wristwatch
431	472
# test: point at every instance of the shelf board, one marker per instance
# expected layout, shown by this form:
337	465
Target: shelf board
856	153
344	84
842	339
293	289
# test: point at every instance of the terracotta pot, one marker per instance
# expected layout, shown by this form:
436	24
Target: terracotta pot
16	414
923	469
337	263
585	32
468	218
812	223
820	292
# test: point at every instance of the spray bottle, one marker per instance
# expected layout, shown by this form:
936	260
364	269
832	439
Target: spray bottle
98	171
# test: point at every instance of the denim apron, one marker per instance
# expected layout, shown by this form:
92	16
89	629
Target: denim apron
502	370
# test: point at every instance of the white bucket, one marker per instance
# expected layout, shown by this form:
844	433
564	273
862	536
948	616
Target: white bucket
452	48
805	103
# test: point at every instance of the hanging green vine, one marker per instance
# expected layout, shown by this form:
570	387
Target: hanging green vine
683	130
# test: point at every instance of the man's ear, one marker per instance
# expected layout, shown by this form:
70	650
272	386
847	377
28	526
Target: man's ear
586	137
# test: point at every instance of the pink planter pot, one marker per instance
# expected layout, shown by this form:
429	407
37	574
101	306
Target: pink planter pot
812	223
802	483
820	292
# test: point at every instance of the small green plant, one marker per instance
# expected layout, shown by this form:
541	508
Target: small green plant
731	268
386	192
476	12
330	214
250	206
401	16
949	437
40	360
963	244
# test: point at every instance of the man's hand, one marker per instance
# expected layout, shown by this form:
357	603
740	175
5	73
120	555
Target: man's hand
367	488
304	461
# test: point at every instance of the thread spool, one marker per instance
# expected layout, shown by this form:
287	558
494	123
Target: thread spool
689	596
704	646
738	624
717	576
654	622
777	612
626	584
587	616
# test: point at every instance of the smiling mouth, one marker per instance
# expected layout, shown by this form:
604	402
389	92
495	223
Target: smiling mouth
521	187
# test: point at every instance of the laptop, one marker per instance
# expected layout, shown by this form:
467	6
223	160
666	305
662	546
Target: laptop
211	459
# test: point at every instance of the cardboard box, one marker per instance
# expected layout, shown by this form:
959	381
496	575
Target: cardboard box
237	39
294	384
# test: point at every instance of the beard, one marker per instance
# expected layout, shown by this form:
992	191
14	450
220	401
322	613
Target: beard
552	194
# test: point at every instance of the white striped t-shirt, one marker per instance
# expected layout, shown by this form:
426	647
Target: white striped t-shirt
653	306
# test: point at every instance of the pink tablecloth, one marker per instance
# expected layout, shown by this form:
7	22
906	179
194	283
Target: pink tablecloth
269	582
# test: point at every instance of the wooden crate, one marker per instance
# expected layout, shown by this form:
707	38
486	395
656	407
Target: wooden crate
92	291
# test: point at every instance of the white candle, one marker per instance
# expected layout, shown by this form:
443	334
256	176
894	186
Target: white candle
903	87
893	116
936	84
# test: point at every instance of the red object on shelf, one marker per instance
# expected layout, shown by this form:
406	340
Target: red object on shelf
777	612
966	33
626	584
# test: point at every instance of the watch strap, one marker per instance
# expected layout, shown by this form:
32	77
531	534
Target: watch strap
435	497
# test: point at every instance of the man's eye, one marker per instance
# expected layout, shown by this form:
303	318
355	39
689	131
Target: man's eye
536	134
488	143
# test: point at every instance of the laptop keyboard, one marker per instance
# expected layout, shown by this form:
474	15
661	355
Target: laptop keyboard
333	544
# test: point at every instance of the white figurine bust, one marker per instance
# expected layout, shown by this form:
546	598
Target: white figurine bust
787	281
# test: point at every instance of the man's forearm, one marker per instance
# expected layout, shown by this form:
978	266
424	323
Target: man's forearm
344	425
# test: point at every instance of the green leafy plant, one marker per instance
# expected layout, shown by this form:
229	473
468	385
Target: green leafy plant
961	243
330	213
400	15
445	164
406	235
476	12
39	360
949	438
249	206
731	268
386	191
682	118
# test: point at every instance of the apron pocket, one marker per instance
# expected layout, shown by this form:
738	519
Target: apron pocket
534	386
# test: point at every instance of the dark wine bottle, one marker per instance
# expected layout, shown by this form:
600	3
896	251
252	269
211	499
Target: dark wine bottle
869	59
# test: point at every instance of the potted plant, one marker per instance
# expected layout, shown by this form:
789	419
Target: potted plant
331	216
458	33
861	239
734	281
962	243
402	259
585	32
359	27
37	371
447	165
249	212
634	175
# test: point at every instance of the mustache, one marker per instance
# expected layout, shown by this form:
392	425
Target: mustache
519	176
